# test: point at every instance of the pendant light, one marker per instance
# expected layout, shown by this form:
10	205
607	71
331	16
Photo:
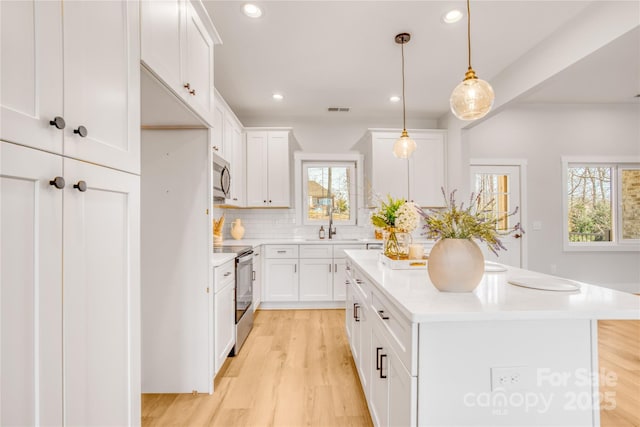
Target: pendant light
473	98
404	146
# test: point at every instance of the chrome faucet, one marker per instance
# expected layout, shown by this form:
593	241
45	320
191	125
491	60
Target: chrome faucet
332	229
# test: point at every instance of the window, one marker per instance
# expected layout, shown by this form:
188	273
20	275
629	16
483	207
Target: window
329	189
601	205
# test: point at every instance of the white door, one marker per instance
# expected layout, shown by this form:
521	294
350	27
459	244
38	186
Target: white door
281	282
501	183
426	170
198	65
339	279
402	393
278	169
257	169
101	315
162	24
238	170
391	175
316	282
225	313
102	83
31	75
30	287
379	397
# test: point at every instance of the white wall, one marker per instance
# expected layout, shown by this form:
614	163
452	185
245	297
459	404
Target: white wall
542	134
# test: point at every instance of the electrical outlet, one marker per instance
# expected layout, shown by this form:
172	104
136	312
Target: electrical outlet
509	379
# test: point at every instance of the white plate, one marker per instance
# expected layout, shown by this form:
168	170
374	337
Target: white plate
491	266
546	283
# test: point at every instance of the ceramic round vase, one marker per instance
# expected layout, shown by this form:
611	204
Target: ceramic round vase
455	265
237	229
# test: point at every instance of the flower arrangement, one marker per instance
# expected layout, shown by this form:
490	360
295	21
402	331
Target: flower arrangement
477	221
396	213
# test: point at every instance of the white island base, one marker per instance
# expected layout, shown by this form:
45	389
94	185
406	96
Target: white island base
500	356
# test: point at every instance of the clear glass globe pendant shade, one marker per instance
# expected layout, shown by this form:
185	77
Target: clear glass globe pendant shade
472	98
404	146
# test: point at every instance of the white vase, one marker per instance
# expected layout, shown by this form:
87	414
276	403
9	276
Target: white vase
237	230
455	265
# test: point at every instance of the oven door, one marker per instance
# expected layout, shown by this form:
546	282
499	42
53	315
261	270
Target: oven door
244	284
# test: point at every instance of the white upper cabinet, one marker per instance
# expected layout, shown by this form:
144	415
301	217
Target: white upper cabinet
417	179
102	83
268	174
72	86
177	47
31	91
228	142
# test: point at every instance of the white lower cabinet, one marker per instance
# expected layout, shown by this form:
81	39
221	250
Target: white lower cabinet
281	280
257	277
316	279
74	361
224	309
390	388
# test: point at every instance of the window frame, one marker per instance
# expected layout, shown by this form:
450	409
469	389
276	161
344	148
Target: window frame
617	164
360	216
351	166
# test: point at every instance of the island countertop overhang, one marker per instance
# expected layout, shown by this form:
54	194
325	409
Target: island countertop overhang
419	301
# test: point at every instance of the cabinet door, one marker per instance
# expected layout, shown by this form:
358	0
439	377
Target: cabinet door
101	315
379	394
316	282
162	25
31	287
278	169
102	82
427	170
198	65
403	395
256	169
339	279
31	74
238	169
217	132
390	175
281	282
225	324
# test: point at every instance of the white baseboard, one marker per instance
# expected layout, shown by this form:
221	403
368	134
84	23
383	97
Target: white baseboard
301	305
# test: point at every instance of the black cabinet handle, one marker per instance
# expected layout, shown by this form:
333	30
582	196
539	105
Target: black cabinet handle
187	85
58	122
356	316
192	92
378	349
58	181
253	276
81	186
381	366
264	201
382	315
269	201
82	131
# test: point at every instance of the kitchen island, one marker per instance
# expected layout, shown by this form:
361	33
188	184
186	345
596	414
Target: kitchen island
503	355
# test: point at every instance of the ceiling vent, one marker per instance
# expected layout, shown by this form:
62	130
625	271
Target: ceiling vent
338	109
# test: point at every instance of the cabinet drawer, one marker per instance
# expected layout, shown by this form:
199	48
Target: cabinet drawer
338	250
402	332
224	274
281	251
316	251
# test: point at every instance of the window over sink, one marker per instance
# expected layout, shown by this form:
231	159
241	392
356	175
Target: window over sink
329	190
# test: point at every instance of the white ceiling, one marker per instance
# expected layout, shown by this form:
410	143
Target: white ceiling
327	53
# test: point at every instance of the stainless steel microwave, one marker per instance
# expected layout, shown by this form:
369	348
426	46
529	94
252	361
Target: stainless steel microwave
221	178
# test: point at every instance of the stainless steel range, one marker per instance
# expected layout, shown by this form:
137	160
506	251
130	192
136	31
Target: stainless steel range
244	292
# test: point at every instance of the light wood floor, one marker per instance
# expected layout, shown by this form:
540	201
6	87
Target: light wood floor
296	369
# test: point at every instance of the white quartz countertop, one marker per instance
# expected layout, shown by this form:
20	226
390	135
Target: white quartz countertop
494	299
219	259
308	241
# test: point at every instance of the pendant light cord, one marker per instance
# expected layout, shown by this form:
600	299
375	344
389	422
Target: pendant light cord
404	120
469	31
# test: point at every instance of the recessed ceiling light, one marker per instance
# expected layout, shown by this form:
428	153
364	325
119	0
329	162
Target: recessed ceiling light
251	10
278	96
395	99
452	16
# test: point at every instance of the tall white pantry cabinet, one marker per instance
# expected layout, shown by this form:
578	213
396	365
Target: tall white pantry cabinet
69	213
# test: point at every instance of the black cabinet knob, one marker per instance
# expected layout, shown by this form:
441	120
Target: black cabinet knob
81	186
187	85
82	131
58	182
192	91
58	122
